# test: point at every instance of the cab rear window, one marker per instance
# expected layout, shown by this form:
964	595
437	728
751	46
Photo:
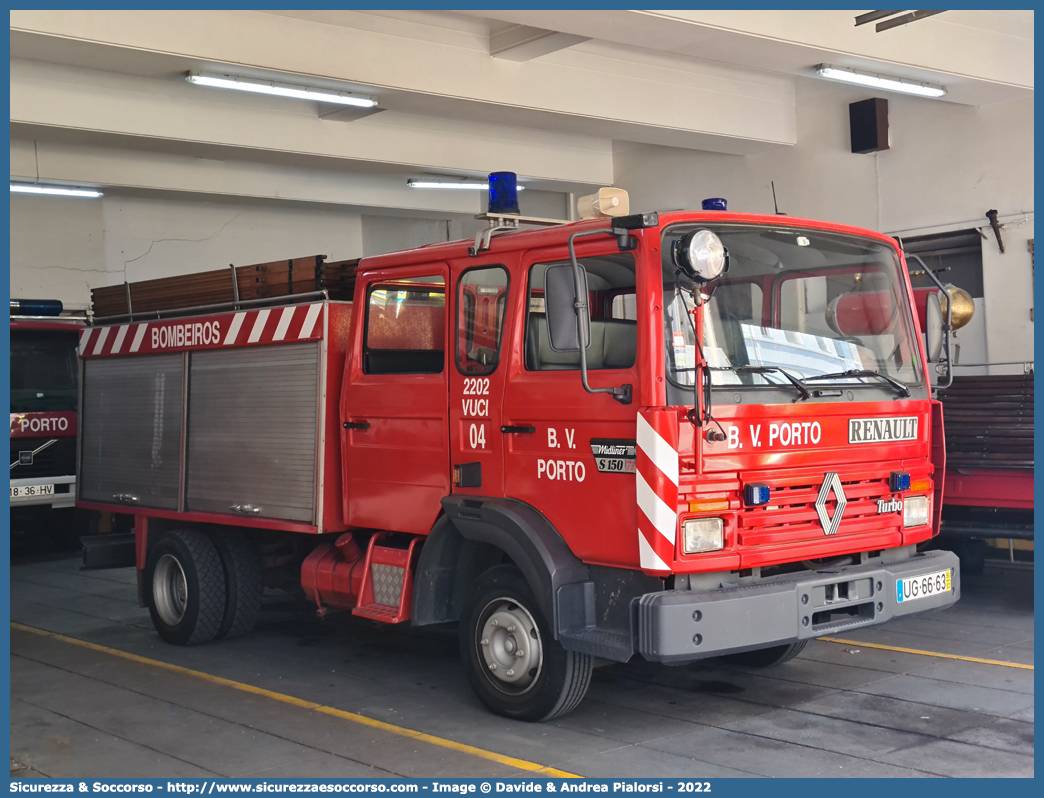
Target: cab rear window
406	326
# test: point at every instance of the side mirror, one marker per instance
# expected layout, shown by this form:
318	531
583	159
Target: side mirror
938	326
933	327
566	317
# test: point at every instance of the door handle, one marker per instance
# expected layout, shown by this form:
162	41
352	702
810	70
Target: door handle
356	425
518	429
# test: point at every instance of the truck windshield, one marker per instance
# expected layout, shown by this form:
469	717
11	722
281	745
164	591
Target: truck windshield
809	302
43	370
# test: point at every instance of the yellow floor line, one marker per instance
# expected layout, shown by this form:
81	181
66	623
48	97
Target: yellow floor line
926	653
492	756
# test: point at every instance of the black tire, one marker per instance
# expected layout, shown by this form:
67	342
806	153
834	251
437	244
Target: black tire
186	608
243	583
561	677
972	554
767	657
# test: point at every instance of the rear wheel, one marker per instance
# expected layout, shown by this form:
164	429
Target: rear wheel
513	664
243	584
186	587
767	657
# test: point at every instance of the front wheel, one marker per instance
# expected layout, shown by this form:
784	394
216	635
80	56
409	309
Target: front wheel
513	663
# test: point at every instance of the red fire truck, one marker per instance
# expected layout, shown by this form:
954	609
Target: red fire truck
43	410
682	435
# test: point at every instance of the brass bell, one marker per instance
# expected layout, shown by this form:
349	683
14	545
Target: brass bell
963	305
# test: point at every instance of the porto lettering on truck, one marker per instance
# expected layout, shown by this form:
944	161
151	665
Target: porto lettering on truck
672	435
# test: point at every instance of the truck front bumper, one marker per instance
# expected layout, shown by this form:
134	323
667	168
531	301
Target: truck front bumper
683	625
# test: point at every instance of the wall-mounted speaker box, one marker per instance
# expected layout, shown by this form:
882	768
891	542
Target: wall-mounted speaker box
869	122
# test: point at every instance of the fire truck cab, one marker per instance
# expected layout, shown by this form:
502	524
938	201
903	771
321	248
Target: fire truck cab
43	405
683	435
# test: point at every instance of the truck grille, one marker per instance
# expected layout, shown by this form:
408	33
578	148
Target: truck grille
57	460
790	515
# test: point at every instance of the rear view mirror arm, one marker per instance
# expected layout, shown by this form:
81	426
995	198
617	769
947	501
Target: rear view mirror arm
622	394
949	318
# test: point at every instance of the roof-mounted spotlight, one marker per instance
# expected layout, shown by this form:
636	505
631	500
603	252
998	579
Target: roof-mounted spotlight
280	89
878	81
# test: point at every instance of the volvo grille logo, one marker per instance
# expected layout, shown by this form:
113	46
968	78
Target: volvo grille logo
831	482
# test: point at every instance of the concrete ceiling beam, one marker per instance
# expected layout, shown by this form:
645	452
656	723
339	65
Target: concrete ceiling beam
84	102
427	64
119	169
523	43
981	56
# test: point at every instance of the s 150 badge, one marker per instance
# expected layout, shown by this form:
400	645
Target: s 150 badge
613	455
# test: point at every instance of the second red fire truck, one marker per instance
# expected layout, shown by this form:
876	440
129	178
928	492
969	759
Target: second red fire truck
44	373
678	436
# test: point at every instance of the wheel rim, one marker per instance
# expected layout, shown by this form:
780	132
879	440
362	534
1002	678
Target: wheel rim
509	646
169	590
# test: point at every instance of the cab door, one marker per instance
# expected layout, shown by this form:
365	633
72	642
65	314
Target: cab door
573	456
394	400
481	305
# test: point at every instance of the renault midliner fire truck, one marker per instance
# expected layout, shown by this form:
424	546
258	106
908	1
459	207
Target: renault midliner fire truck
678	436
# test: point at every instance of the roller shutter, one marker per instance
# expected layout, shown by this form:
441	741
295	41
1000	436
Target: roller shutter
130	430
253	426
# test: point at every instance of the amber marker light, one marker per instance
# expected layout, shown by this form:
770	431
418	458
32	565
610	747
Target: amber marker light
709	506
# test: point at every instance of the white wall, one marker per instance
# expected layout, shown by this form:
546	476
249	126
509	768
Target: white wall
386	233
389	233
952	163
146	238
60	248
57	248
948	164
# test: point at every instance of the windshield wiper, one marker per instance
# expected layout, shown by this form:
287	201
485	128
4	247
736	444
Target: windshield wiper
900	387
797	383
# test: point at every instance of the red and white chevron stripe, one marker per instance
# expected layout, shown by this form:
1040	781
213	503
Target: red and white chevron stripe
657	475
245	328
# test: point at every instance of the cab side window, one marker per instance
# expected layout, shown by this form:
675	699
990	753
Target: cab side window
614	338
405	326
482	296
624	306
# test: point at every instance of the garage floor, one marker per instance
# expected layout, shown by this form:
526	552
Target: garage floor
840	709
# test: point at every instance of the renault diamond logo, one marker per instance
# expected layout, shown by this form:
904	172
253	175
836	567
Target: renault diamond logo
831	482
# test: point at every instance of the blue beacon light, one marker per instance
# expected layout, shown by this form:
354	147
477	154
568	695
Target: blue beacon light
715	204
503	192
899	481
756	494
36	307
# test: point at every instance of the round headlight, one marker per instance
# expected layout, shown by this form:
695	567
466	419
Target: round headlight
701	256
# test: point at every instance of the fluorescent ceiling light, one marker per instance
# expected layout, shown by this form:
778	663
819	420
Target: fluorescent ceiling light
458	185
876	81
18	188
280	89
